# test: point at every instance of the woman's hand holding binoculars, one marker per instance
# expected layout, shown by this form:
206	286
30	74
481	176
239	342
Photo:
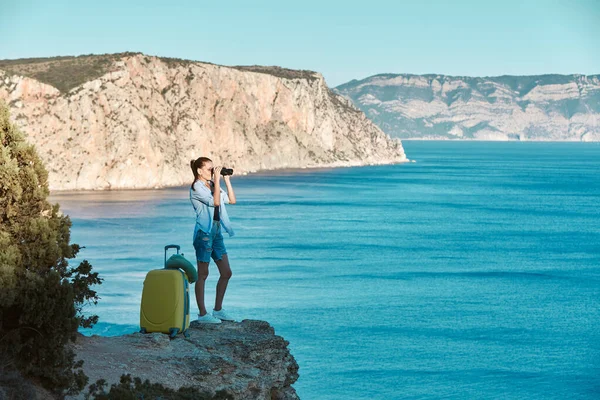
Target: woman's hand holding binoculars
222	171
217	173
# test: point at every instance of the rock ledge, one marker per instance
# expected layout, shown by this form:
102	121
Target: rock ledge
245	358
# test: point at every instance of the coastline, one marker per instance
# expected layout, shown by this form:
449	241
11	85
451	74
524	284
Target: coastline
258	172
325	167
494	140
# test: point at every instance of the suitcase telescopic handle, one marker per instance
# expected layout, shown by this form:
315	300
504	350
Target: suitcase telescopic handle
171	246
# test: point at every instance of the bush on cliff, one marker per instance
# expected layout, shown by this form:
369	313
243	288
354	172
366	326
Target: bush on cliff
41	296
134	389
64	73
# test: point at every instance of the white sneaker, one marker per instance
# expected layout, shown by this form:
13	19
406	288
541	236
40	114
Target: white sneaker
208	319
222	315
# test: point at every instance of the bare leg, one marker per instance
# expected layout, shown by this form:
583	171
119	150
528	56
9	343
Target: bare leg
225	271
202	275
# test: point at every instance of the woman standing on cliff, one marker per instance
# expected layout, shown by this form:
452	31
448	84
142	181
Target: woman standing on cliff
209	201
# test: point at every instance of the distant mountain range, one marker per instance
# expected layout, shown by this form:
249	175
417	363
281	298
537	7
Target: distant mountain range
541	107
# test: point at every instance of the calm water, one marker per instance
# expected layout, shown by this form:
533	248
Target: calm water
472	273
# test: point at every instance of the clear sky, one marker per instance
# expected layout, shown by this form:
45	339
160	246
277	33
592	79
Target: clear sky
344	40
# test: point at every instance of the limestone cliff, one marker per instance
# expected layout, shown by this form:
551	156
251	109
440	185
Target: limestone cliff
141	119
543	107
246	359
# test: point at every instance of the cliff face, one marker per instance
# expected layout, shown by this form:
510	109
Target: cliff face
244	358
143	119
545	107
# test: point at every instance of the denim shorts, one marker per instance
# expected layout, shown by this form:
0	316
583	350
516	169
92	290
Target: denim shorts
210	245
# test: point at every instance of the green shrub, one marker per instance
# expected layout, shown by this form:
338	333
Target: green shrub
64	73
42	296
135	389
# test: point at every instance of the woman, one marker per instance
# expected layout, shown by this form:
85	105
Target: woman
209	201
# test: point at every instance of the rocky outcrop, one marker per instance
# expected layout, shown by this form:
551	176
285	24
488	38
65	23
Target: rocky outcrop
544	107
246	359
140	123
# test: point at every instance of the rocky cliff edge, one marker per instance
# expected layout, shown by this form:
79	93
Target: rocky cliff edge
246	359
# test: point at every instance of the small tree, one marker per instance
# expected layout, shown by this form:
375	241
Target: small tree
41	296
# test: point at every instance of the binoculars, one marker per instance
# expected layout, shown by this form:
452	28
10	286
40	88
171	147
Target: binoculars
224	171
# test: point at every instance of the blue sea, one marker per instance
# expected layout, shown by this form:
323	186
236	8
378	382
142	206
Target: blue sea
473	272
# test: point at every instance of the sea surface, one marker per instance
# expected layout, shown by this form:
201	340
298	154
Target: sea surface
473	272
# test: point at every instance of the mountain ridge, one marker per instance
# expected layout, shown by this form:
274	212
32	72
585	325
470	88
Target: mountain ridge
507	107
25	67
